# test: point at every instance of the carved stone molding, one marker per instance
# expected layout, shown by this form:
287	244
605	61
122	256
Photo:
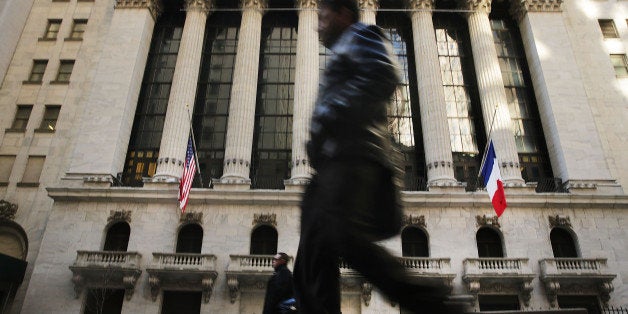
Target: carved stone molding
419	4
234	288
369	4
265	219
196	218
236	161
559	221
437	164
518	9
367	288
552	288
418	221
254	4
307	4
104	178
7	210
483	221
119	215
200	5
173	161
476	5
154	6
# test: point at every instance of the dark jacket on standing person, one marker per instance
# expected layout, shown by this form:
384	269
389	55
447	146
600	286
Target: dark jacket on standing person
279	289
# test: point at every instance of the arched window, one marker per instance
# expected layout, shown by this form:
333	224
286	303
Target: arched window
489	243
264	240
414	243
190	239
563	243
117	237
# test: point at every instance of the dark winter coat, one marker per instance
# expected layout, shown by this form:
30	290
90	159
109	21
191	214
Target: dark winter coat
279	289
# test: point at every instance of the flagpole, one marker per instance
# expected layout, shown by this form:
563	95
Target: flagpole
198	166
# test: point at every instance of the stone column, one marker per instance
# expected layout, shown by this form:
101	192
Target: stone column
436	137
108	112
174	138
239	142
305	88
491	87
368	10
576	152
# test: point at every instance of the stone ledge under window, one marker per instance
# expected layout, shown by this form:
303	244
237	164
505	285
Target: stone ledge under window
59	82
72	39
9	130
46	39
28	184
60	0
31	82
4	183
44	130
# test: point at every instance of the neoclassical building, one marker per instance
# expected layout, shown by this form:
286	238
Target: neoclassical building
98	98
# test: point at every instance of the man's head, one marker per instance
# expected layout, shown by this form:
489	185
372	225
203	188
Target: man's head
280	258
334	17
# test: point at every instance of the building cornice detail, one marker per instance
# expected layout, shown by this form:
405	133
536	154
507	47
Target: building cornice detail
198	5
369	4
559	221
410	220
7	210
307	4
119	215
420	4
265	219
154	6
519	9
484	221
476	5
254	4
188	218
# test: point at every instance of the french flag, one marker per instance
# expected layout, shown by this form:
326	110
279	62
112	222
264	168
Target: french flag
493	181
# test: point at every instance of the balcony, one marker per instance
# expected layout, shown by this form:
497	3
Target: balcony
436	270
248	272
566	275
499	275
182	271
106	269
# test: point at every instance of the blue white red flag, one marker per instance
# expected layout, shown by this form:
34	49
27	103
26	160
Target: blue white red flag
189	170
493	181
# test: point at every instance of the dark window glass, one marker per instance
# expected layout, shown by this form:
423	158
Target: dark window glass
37	72
404	119
181	302
272	142
489	243
141	160
22	115
563	244
526	122
608	28
52	29
117	237
78	29
498	303
620	64
264	240
464	115
65	70
49	121
104	301
190	239
588	302
211	111
414	242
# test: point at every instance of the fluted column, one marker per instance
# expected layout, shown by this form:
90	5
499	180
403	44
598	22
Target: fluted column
436	137
239	141
491	87
368	11
176	130
305	87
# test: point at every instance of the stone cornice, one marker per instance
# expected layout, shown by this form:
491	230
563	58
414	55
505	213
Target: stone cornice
475	5
369	4
198	5
293	198
307	4
519	8
254	4
420	4
154	6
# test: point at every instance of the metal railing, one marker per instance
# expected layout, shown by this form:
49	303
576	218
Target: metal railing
550	185
414	183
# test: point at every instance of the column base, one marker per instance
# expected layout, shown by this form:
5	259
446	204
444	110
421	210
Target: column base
231	184
296	184
445	185
99	180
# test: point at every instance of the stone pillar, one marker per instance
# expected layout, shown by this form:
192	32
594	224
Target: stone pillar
305	88
368	10
108	112
491	87
576	152
239	142
434	122
176	130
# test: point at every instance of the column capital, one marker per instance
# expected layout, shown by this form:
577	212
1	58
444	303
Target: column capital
307	4
154	6
198	5
254	4
519	9
476	5
419	4
369	4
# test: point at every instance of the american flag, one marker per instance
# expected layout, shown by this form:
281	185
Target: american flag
189	170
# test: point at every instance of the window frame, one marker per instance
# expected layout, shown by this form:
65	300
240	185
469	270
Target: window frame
49	118
77	35
9	168
63	75
35	73
608	28
46	36
29	172
16	118
624	60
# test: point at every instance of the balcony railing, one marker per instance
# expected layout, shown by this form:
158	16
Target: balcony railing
251	263
248	272
426	264
572	266
107	259
188	271
493	274
480	266
184	261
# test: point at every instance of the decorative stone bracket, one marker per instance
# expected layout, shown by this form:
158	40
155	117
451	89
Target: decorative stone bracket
554	287
234	288
524	289
367	288
128	284
207	286
267	219
418	221
483	221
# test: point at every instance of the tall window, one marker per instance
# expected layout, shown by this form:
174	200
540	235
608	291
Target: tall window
264	240
6	166
414	242
608	29
272	142
49	121
463	105
526	123
214	89
37	72
499	303
117	238
404	119
181	302
78	29
620	64
52	30
34	166
104	301
190	239
141	160
22	114
588	302
65	71
563	244
489	243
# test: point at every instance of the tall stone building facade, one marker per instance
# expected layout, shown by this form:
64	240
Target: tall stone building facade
98	98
